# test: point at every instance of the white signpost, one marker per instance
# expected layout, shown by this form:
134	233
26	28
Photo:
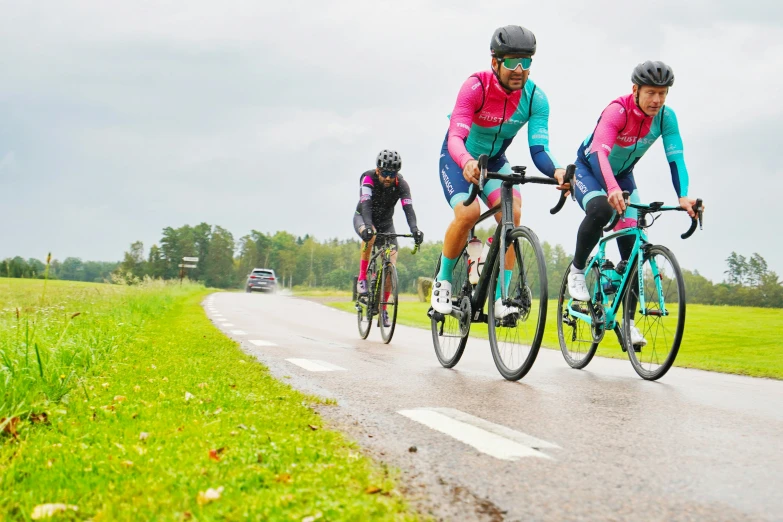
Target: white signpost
183	266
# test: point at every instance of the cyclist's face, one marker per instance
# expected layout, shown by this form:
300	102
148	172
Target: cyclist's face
651	98
386	180
515	79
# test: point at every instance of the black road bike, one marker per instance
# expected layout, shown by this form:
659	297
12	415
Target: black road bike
382	289
515	338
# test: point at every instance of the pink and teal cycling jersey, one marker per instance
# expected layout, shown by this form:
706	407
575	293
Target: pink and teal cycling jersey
621	137
486	119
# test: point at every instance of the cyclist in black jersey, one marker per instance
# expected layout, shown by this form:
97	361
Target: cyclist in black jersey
380	190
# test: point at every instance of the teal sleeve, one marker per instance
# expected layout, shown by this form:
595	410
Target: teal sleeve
538	134
672	144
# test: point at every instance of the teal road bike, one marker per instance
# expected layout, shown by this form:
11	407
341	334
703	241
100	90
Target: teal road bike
651	288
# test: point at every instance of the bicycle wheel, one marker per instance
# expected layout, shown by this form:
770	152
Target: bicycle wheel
663	319
516	337
450	335
388	286
577	341
364	305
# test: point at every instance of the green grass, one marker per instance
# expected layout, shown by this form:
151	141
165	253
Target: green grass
728	339
146	360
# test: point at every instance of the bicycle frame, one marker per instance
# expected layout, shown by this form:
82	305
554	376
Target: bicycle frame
384	252
482	288
481	291
641	244
611	308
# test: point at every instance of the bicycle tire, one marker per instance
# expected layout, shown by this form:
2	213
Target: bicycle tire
651	324
580	332
450	347
364	310
511	336
389	271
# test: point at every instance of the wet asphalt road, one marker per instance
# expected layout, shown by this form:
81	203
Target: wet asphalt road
561	444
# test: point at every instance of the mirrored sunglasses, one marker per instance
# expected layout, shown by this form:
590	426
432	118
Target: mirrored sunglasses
513	63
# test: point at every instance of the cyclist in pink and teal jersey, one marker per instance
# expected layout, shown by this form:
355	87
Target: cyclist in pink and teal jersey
492	107
605	161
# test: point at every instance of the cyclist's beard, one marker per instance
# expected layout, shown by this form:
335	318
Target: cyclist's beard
506	86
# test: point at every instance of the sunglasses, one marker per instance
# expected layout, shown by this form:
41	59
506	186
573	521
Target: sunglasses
512	63
389	173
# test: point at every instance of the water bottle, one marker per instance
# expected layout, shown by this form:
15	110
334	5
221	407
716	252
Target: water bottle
483	257
474	253
610	278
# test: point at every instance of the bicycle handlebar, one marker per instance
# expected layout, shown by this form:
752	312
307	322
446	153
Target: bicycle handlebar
568	178
517	178
389	234
657	206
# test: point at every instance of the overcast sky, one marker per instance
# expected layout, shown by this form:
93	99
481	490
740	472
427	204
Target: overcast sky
118	119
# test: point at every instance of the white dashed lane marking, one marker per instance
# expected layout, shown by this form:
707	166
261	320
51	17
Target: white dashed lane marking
227	324
314	365
259	342
493	439
238	332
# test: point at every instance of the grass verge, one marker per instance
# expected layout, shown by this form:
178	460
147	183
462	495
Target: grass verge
728	339
172	422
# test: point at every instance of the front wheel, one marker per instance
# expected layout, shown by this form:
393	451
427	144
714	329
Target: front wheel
389	299
576	336
364	305
657	308
515	335
449	334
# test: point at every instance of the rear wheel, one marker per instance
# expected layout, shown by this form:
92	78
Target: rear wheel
516	337
662	321
577	341
389	301
449	334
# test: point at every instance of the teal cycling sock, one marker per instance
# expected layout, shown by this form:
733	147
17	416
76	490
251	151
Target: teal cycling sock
446	267
506	282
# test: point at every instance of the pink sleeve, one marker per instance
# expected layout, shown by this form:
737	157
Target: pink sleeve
469	101
609	126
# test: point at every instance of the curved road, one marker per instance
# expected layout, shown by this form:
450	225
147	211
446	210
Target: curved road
561	444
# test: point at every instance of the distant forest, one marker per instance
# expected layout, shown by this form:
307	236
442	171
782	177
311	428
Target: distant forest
304	261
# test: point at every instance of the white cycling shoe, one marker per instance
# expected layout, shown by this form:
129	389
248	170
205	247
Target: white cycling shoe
502	311
441	297
361	287
577	288
637	339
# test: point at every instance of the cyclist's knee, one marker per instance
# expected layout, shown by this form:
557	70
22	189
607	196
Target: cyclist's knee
599	211
466	217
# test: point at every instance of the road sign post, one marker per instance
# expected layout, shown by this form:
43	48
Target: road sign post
186	264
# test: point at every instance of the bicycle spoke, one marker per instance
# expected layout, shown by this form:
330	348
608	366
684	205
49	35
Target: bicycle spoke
515	334
575	334
662	320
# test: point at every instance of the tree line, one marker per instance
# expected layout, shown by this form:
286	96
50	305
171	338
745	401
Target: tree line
305	261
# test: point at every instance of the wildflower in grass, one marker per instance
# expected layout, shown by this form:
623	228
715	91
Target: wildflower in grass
210	495
49	510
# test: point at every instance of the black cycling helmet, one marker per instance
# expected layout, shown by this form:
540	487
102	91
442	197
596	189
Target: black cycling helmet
512	39
389	160
653	73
